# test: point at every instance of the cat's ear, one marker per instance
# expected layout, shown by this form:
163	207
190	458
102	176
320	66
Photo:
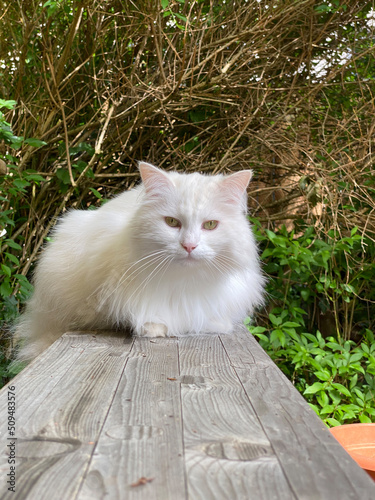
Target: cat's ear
234	186
155	180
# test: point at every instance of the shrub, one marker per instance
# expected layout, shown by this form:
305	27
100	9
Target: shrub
311	279
15	288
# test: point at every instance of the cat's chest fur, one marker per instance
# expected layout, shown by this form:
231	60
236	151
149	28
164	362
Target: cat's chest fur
186	297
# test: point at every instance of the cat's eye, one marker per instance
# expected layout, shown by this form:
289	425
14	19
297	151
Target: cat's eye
172	222
210	224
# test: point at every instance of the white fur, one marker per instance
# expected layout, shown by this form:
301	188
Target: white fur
124	265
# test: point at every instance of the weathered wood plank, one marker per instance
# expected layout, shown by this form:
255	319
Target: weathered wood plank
199	417
142	436
227	452
58	428
38	379
315	465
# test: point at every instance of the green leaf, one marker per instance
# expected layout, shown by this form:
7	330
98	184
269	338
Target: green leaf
12	258
257	329
80	148
63	175
275	320
21	183
332	422
7	104
262	337
311	337
34	177
313	389
13	244
180	16
51	6
164	3
322	375
315	408
359	393
370	394
355	357
36	143
322	8
353	381
15	141
369	336
334	346
342	389
291	324
365	348
327	409
6	270
348	288
5	288
323	399
96	193
278	335
15	368
364	419
90	174
293	334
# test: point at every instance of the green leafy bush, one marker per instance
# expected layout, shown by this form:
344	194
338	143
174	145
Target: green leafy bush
312	279
15	287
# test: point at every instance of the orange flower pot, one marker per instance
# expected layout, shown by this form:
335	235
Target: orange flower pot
359	442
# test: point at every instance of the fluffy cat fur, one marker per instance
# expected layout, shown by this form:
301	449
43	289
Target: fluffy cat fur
124	265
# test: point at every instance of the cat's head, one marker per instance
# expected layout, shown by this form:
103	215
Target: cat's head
195	219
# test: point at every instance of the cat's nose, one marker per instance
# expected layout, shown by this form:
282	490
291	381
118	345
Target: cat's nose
189	247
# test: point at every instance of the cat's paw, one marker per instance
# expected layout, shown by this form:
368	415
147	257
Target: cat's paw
154	330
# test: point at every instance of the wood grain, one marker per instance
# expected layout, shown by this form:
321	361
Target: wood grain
209	417
314	464
227	452
62	400
142	436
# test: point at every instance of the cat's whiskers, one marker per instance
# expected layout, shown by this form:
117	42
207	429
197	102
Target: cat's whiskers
121	297
150	260
161	272
225	254
153	265
228	263
218	267
165	268
148	278
222	264
231	270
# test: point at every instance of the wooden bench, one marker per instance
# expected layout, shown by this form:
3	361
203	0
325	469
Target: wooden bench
100	416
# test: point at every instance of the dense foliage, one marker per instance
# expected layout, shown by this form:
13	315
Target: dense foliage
319	326
283	86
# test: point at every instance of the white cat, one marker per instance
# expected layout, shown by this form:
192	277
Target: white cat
173	256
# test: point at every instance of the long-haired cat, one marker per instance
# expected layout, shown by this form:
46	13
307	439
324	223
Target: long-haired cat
173	256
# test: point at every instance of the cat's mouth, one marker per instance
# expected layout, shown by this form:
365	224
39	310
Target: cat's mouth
188	260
